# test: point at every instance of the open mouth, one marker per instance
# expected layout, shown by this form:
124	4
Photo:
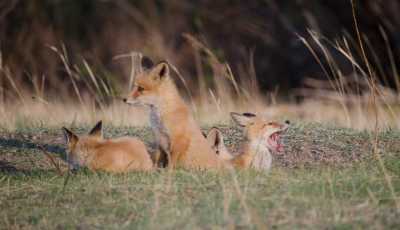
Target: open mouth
275	142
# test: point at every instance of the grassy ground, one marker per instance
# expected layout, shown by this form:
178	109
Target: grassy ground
329	178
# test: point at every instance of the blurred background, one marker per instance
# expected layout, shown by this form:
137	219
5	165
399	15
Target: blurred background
303	59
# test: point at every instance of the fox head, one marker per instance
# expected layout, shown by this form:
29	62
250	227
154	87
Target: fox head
147	84
216	140
78	148
260	132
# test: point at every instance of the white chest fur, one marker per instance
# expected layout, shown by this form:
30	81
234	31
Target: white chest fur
159	131
262	158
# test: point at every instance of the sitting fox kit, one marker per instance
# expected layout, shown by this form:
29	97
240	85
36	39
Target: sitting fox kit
261	137
111	155
179	136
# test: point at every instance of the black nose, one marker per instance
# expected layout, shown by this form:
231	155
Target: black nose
287	122
124	100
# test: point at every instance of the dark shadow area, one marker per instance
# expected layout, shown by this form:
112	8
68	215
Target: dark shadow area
16	143
7	167
10	168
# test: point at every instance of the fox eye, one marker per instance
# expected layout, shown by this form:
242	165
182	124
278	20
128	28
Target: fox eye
270	123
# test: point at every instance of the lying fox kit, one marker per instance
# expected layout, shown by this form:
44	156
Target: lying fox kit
177	134
261	138
111	155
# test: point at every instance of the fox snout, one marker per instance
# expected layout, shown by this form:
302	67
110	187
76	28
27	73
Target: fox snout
286	125
132	97
131	102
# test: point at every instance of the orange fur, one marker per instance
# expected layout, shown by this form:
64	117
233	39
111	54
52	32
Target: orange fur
256	147
186	146
117	155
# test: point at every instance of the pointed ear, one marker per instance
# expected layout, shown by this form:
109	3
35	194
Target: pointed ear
242	119
146	63
69	137
97	130
215	137
160	71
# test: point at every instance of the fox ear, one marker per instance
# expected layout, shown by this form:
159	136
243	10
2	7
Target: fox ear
242	119
146	63
97	130
160	71
215	138
69	136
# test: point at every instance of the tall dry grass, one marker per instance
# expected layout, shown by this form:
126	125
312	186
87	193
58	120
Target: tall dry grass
354	100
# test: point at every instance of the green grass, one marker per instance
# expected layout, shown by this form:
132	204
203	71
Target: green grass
328	178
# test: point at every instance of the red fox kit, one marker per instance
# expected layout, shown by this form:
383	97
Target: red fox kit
261	137
178	134
111	155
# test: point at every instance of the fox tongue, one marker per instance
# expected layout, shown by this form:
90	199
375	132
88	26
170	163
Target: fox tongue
279	148
275	142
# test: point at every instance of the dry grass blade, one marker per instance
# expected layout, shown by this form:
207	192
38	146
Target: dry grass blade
136	67
185	84
374	96
7	74
336	79
232	78
64	58
92	77
41	100
220	69
66	179
314	54
395	71
52	160
216	101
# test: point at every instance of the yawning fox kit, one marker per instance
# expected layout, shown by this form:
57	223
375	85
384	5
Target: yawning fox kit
179	140
261	137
